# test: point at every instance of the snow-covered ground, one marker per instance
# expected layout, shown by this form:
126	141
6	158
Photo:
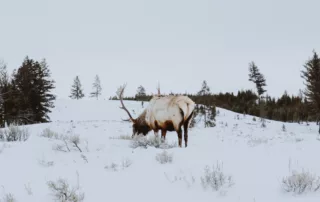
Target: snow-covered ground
109	169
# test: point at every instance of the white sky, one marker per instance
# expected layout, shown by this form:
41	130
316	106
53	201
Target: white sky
139	41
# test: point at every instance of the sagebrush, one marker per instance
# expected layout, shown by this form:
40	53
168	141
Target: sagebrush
164	157
153	141
62	192
215	178
300	182
8	198
14	133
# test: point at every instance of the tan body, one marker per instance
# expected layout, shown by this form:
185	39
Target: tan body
165	113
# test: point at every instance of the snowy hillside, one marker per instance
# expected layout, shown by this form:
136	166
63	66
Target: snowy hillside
108	166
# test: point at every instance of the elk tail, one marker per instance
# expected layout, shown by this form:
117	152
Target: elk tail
190	108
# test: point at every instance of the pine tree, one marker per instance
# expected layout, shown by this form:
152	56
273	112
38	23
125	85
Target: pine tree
23	80
141	93
205	89
32	83
44	84
257	78
96	88
211	116
76	90
311	75
4	92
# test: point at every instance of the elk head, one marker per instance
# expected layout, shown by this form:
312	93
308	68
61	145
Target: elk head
139	125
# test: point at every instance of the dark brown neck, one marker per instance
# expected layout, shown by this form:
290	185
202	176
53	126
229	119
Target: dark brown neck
141	123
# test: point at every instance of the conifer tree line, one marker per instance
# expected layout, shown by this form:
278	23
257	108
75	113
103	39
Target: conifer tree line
303	107
26	98
25	95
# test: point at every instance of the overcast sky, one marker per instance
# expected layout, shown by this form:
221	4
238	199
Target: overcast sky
177	42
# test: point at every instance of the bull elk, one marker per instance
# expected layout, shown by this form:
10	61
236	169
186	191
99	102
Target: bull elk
165	113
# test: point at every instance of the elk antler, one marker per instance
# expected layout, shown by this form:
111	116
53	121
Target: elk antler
158	88
121	90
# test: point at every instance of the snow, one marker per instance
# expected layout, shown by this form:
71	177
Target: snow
257	158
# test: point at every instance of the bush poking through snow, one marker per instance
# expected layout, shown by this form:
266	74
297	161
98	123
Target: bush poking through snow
2	147
45	163
75	140
122	137
62	192
48	133
28	189
8	198
299	182
263	123
14	133
284	128
215	178
126	163
182	178
164	157
145	142
254	141
112	167
64	147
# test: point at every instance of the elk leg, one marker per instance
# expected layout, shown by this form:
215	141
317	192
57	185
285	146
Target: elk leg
185	130
180	136
156	133
163	135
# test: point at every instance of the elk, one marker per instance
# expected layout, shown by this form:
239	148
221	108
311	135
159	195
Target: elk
165	113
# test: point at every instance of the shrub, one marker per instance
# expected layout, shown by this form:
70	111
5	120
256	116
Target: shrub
164	157
74	140
112	167
48	133
188	181
126	163
145	142
215	178
284	128
2	147
14	133
45	163
62	192
8	198
299	182
122	137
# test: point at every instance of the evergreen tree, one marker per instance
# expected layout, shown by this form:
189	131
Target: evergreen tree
257	78
76	90
141	93
210	116
43	85
311	75
96	88
23	80
205	89
4	92
32	82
